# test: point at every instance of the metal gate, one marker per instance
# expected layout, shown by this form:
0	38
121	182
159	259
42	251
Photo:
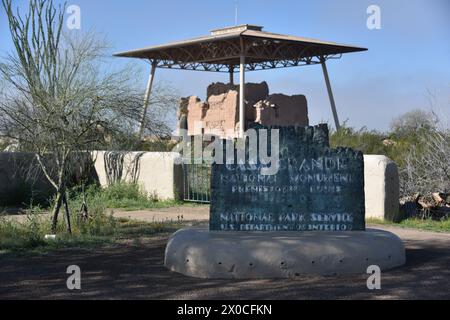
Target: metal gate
197	182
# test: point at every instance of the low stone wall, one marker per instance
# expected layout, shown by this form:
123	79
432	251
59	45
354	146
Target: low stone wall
382	187
21	182
156	172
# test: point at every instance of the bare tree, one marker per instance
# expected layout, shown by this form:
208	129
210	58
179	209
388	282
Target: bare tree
413	122
427	164
61	100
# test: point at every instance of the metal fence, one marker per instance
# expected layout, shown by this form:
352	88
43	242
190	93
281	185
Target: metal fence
197	182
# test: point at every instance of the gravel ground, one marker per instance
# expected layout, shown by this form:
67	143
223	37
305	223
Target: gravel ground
133	270
191	213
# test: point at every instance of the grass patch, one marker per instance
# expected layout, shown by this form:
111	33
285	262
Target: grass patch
426	225
125	196
29	234
129	229
100	229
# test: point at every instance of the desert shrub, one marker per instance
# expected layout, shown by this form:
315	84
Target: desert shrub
368	142
122	190
418	145
412	124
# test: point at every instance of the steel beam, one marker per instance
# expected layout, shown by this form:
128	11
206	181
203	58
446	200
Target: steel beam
242	97
330	95
231	70
148	93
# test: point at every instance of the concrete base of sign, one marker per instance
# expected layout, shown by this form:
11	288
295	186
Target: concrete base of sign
208	254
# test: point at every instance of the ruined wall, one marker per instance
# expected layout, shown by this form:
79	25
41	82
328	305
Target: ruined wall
282	110
219	115
253	91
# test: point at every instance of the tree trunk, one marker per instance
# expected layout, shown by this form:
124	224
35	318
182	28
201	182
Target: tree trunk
84	214
66	209
59	200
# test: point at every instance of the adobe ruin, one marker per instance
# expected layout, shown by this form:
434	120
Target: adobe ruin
219	114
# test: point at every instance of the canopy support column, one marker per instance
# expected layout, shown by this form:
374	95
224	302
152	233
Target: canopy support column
148	93
231	75
242	97
330	94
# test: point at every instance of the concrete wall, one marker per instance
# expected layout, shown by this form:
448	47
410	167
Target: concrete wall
381	188
155	171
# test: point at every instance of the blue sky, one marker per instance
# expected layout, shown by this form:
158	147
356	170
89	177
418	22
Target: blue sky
407	59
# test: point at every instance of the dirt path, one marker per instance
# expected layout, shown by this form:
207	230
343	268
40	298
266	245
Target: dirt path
194	213
136	271
186	213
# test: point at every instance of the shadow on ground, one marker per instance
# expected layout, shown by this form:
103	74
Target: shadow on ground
136	271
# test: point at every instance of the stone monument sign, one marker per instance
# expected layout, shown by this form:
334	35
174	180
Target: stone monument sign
304	218
316	188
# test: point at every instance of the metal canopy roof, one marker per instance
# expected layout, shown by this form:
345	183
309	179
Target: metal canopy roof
221	51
